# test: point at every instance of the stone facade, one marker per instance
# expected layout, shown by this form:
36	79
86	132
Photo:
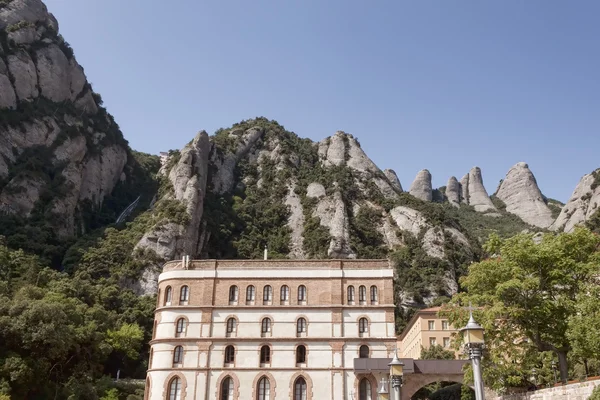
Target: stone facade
573	391
210	334
425	329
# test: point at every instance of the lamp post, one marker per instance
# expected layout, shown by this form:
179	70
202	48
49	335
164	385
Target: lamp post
383	393
474	345
554	367
396	375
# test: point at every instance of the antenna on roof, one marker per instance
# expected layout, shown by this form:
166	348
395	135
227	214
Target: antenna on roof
185	261
266	252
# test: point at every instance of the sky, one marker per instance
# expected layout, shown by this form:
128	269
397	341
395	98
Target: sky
442	85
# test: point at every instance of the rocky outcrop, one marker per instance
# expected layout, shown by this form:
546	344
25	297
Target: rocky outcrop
296	224
8	98
24	72
421	186
390	174
474	193
453	192
522	196
584	202
333	214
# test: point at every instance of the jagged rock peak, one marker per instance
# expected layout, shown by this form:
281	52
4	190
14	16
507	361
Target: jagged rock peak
393	178
343	149
453	191
421	186
522	196
29	12
476	194
584	202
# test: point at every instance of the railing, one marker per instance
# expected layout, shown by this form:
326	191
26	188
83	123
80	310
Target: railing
128	210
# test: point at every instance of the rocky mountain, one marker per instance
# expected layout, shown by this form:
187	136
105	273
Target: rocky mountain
583	206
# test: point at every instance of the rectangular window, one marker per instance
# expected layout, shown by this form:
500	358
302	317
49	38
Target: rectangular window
444	325
432	341
446	342
431	325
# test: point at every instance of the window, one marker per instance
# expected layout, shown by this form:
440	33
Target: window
362	294
301	294
168	296
364	389
175	389
180	327
231	327
264	389
350	295
301	354
178	356
301	327
374	297
444	325
432	341
300	389
250	294
265	355
285	294
431	325
363	352
446	342
265	327
184	295
363	327
267	294
227	389
233	295
229	354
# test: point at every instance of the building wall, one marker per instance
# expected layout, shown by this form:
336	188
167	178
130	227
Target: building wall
332	339
573	391
418	333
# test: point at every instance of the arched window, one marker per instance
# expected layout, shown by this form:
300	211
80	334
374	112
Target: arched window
267	294
177	355
362	294
301	294
174	389
350	294
265	355
300	389
233	295
265	328
227	389
301	354
285	294
231	327
363	327
364	389
168	296
229	354
184	295
374	296
363	352
250	294
264	389
180	327
301	327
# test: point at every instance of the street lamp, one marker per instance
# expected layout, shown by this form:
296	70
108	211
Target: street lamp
396	375
554	371
474	345
383	390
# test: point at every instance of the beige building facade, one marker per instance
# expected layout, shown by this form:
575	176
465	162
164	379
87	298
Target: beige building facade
274	329
425	329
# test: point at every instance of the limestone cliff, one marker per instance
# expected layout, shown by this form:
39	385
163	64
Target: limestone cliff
60	151
421	186
474	193
583	204
522	196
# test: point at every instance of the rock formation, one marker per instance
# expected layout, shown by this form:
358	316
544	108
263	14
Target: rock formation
421	186
522	196
584	202
390	174
474	193
453	192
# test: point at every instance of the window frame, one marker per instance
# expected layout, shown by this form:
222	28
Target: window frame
363	327
367	392
267	294
265	355
168	296
361	351
227	393
229	356
350	295
174	393
231	327
250	294
302	294
180	327
300	388
266	327
264	392
303	353
284	294
301	327
362	294
374	294
234	294
184	295
178	356
431	325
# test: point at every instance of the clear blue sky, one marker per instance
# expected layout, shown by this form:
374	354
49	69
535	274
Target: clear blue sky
442	85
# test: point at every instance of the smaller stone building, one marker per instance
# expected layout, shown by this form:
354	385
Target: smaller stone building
425	329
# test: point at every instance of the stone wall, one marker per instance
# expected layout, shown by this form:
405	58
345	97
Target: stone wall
573	391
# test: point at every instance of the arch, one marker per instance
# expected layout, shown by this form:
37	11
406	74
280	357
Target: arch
272	385
265	354
250	294
301	353
414	382
267	294
234	293
236	385
284	294
302	294
266	326
167	386
227	389
178	356
181	326
309	385
231	325
374	293
364	326
184	295
229	355
168	296
362	294
301	326
373	382
350	293
364	351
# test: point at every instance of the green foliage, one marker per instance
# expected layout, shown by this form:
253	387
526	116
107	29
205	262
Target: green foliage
500	205
455	391
436	352
19	25
529	291
555	206
583	329
593	223
596	182
366	240
112	394
126	340
595	394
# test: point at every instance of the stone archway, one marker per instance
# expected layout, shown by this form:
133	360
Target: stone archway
412	383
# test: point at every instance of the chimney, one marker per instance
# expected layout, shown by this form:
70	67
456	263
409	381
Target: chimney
266	253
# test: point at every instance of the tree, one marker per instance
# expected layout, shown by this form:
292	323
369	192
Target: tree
526	295
127	340
436	352
584	325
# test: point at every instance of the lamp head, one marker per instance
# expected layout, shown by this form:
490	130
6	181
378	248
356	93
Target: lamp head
396	365
472	332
